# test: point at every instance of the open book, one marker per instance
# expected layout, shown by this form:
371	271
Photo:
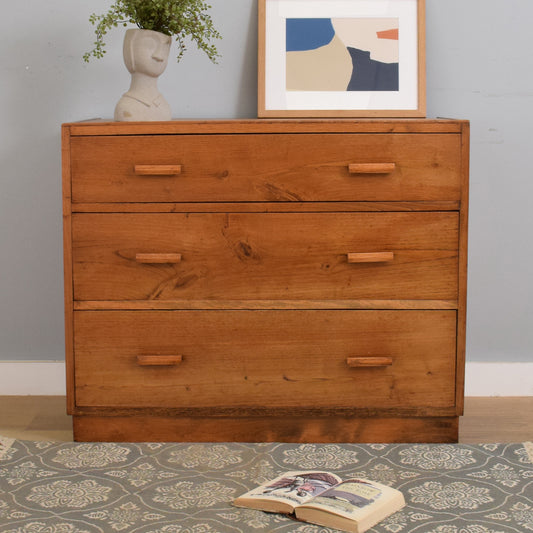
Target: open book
322	498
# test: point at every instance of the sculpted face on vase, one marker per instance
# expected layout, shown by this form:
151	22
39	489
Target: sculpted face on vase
146	57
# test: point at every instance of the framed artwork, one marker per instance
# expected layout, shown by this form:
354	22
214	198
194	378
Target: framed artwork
341	58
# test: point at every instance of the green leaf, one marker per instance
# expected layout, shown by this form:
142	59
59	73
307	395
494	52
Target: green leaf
182	19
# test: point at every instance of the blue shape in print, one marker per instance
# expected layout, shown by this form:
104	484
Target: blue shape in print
370	75
308	34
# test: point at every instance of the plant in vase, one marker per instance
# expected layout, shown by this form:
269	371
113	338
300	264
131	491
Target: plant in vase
147	47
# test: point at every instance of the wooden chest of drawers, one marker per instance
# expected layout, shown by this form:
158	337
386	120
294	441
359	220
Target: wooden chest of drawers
265	280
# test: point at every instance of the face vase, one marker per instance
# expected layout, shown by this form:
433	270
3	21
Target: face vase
146	57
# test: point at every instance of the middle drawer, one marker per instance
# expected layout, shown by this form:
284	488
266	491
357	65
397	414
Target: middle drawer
265	256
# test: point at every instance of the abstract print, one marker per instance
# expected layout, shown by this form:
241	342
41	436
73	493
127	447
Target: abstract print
342	54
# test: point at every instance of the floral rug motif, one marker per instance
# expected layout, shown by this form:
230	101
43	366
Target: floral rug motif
48	487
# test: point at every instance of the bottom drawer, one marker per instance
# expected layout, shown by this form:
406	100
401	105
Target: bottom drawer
265	359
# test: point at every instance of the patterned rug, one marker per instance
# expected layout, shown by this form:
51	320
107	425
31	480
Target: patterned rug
48	487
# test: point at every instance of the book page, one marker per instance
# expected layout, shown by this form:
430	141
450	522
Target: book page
295	488
354	498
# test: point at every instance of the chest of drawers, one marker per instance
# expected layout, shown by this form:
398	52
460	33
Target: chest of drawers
264	280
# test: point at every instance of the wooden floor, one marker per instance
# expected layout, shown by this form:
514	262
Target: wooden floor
485	419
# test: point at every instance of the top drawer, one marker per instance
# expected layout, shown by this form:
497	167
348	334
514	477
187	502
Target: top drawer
266	167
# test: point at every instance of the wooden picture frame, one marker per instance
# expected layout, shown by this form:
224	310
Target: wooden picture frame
308	51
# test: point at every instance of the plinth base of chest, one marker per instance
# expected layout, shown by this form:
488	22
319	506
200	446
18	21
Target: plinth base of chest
264	429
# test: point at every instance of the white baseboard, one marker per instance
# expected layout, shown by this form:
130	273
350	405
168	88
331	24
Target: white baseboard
499	379
47	378
32	378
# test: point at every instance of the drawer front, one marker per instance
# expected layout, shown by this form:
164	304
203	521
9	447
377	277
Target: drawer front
265	256
270	359
275	167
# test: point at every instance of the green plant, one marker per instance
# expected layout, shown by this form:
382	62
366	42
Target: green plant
179	18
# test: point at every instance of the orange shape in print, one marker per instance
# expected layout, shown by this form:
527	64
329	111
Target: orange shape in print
393	34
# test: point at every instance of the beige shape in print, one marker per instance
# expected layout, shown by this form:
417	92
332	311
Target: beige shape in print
371	35
328	68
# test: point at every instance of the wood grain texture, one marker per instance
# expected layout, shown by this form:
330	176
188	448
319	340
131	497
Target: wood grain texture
371	168
265	429
265	256
157	258
98	305
299	358
159	360
369	361
264	207
157	170
67	267
108	128
485	420
463	267
259	168
370	257
258	322
497	419
224	411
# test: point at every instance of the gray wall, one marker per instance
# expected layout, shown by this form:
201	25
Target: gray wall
479	62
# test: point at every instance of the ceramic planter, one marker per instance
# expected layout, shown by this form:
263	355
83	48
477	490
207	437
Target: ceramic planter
146	57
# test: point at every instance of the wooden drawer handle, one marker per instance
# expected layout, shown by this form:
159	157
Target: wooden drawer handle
371	257
371	168
370	361
159	360
157	170
158	258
